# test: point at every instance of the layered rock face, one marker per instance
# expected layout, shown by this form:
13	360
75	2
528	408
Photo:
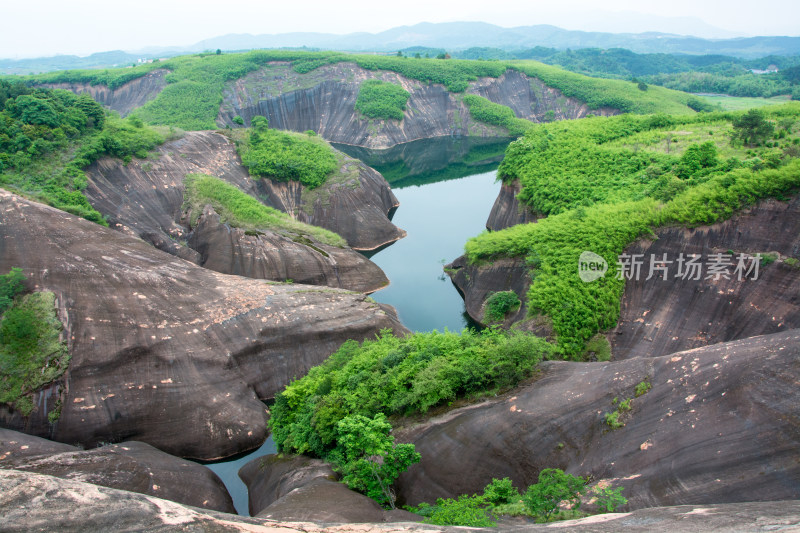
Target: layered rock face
164	351
24	508
145	198
133	466
125	98
720	424
323	100
658	317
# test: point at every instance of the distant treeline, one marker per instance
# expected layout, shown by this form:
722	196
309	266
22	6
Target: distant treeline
717	74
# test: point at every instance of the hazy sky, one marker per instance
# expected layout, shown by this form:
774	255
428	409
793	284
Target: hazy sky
48	27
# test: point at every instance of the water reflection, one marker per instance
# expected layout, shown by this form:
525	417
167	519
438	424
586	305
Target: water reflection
432	160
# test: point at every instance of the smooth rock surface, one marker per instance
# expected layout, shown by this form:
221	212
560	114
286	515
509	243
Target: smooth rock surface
507	211
271	477
164	351
721	424
133	466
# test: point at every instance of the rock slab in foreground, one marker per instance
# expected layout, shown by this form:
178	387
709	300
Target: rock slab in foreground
132	466
31	502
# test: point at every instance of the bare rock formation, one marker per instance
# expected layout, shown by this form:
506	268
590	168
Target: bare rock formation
507	211
133	466
125	98
164	351
720	424
145	199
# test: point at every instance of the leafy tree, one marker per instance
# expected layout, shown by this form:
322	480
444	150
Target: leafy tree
500	491
368	458
752	127
609	498
554	486
462	511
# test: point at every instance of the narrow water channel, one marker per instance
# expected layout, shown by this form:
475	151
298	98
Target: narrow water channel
446	188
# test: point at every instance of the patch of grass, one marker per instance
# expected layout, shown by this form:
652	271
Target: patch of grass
31	352
792	262
484	110
767	258
243	211
287	156
380	99
643	387
742	103
599	348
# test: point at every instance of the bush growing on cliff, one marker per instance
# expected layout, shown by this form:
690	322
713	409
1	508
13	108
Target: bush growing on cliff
241	210
31	353
380	99
287	156
48	136
397	376
543	498
614	185
499	304
11	285
484	110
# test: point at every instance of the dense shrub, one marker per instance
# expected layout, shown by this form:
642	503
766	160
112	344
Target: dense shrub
614	185
31	353
397	376
484	110
380	99
287	156
11	284
499	304
554	486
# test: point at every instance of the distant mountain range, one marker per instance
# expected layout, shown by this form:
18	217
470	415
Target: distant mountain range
450	36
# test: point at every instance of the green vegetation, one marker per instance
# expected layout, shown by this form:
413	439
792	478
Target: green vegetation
643	387
11	285
380	99
241	210
618	178
739	103
192	98
287	156
398	376
599	93
554	486
752	128
367	457
499	304
48	136
31	352
609	498
465	510
484	110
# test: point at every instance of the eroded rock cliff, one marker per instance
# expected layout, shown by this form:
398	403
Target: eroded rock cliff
323	100
164	351
145	198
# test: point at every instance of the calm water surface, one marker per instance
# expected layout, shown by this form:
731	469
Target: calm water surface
446	188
